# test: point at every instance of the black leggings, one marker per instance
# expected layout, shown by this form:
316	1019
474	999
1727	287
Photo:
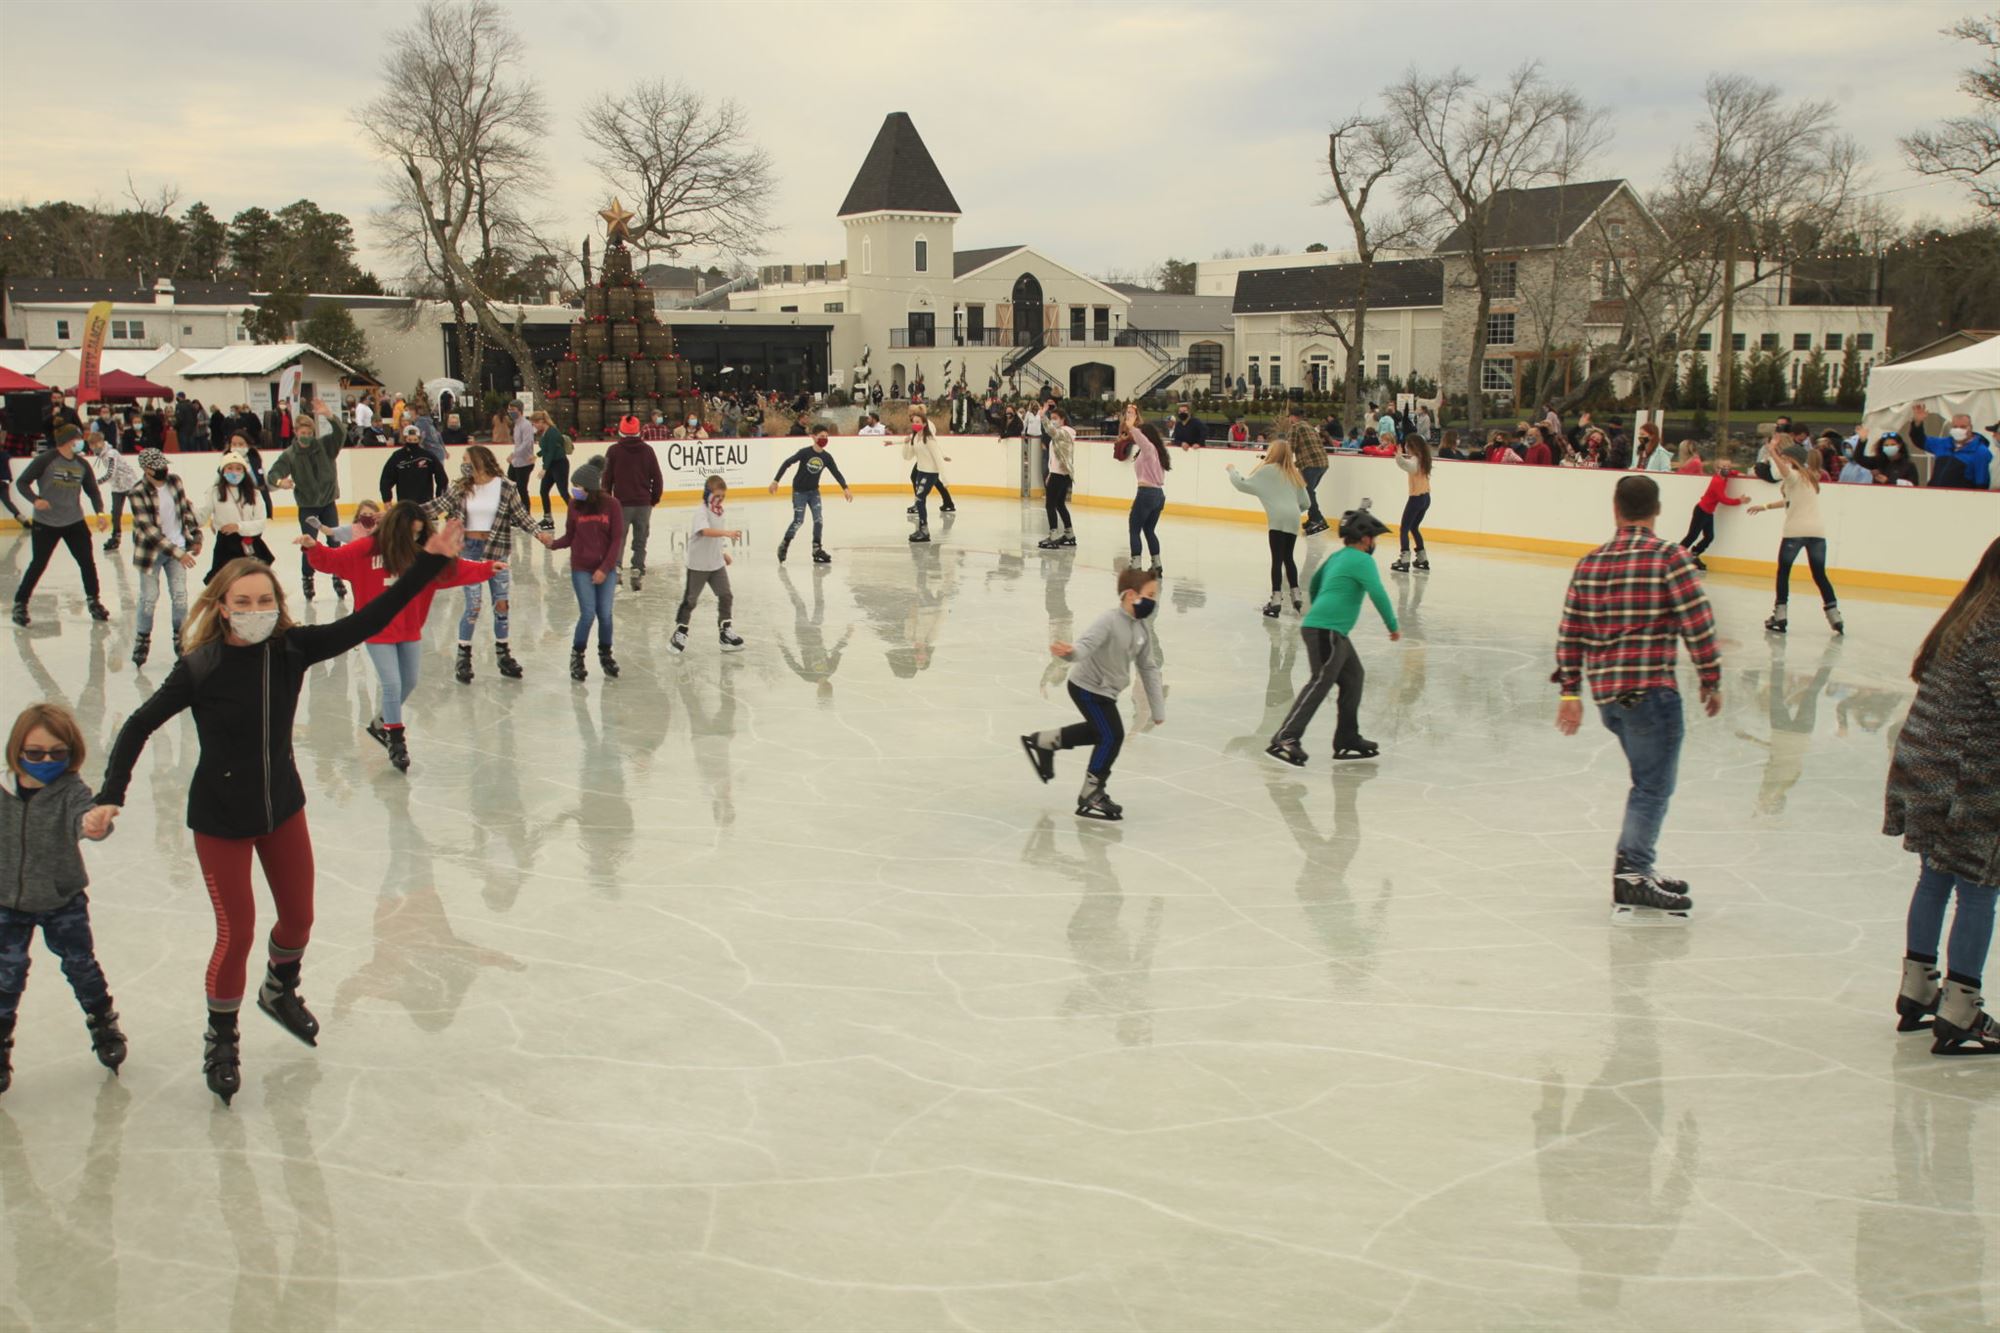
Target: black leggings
519	476
554	475
7	486
1055	499
1283	544
1788	555
1414	510
1101	729
118	499
1701	531
43	539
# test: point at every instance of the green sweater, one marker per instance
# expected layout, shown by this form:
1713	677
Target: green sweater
1337	587
1283	500
551	448
310	463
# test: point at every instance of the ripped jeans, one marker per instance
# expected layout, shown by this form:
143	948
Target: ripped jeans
501	583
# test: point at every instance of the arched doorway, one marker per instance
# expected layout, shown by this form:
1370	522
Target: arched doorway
1092	379
1027	309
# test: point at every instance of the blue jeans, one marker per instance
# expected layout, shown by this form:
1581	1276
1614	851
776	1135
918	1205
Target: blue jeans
1312	476
164	568
397	665
1145	518
801	501
1650	733
66	931
593	602
1971	927
502	583
1788	555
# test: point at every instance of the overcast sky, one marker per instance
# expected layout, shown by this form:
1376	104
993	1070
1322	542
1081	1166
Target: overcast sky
1107	135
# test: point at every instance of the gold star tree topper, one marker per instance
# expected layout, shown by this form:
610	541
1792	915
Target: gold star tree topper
615	218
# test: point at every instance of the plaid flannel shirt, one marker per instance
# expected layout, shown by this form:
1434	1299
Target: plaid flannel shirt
1629	601
149	543
513	514
1307	451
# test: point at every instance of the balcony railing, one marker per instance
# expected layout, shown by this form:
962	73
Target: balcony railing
1157	339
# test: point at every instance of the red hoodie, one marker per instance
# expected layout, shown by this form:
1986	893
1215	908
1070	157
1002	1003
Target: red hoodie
1718	493
358	564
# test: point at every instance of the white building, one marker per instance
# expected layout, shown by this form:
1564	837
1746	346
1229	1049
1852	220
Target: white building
49	312
1285	340
1217	277
911	303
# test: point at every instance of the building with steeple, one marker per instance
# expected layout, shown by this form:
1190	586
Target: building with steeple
909	302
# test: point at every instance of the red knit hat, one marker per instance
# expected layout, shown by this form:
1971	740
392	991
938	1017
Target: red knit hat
628	427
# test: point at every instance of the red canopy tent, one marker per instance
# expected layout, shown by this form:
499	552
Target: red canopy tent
13	382
118	386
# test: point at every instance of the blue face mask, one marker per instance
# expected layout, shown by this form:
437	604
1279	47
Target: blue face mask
578	493
45	772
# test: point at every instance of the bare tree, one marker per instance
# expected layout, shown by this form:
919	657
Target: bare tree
1362	153
460	128
1470	147
1761	186
1967	148
694	179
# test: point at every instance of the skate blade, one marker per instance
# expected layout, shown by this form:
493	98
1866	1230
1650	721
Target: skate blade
1625	914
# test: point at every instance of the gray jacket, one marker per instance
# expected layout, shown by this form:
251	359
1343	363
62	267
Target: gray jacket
1103	658
41	865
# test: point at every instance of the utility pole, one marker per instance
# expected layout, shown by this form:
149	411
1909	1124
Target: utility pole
1725	356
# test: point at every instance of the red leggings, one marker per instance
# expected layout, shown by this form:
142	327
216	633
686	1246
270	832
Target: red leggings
287	855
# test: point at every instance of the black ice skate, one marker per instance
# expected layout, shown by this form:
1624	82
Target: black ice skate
1638	899
1358	748
1043	760
307	588
1423	563
607	663
1290	751
378	732
463	672
922	534
731	641
142	648
339	591
1401	564
1776	623
783	547
1667	882
105	1037
1271	609
1095	804
503	657
21	613
820	557
221	1063
6	1053
97	610
577	670
280	998
1917	1000
399	750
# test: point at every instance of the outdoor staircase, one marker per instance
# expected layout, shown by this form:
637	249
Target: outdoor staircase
1021	356
1168	364
1035	378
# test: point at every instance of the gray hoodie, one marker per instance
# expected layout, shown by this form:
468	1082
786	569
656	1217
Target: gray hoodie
41	865
1102	660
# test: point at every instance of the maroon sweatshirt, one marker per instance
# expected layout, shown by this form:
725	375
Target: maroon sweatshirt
593	535
632	473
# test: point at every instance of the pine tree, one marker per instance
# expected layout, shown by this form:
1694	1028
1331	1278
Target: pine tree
1853	391
1695	391
1811	392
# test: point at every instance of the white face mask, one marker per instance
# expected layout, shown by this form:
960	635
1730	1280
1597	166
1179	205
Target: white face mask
253	626
1892	449
1961	434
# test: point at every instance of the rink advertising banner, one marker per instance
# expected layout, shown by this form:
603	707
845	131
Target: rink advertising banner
689	463
96	324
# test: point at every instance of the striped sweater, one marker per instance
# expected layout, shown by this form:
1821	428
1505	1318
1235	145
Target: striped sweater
1629	601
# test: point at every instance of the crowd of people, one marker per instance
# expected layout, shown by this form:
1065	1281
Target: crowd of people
241	657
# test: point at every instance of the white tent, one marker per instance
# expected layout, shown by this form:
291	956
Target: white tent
1967	380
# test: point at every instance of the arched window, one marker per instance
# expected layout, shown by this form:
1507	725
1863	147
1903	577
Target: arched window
867	254
923	259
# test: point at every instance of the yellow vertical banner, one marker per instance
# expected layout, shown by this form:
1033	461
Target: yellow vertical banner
95	325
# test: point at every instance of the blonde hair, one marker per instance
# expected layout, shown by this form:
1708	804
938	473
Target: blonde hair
205	624
1279	456
58	721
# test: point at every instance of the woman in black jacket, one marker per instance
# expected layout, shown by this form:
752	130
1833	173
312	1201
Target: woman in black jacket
245	664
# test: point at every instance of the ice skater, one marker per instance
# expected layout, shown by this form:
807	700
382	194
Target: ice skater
237	516
370	562
1629	603
55	483
1338	586
1413	456
1101	665
492	509
245	665
42	877
120	478
1140	442
1701	523
593	534
166	538
708	567
926	473
1804	531
810	462
1061	477
1281	488
1943	799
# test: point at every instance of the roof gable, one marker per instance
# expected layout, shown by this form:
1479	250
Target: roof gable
1048	267
1536	219
254	359
1396	284
971	261
898	175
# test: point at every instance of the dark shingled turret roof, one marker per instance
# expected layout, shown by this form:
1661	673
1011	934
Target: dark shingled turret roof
898	175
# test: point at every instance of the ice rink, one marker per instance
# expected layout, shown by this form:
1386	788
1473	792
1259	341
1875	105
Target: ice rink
773	992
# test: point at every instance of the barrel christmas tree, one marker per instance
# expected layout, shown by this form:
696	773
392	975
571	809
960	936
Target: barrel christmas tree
621	358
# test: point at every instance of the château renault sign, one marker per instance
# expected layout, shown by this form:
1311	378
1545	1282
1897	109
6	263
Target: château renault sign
688	462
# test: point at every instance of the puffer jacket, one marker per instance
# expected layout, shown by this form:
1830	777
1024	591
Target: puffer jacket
1943	797
41	865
